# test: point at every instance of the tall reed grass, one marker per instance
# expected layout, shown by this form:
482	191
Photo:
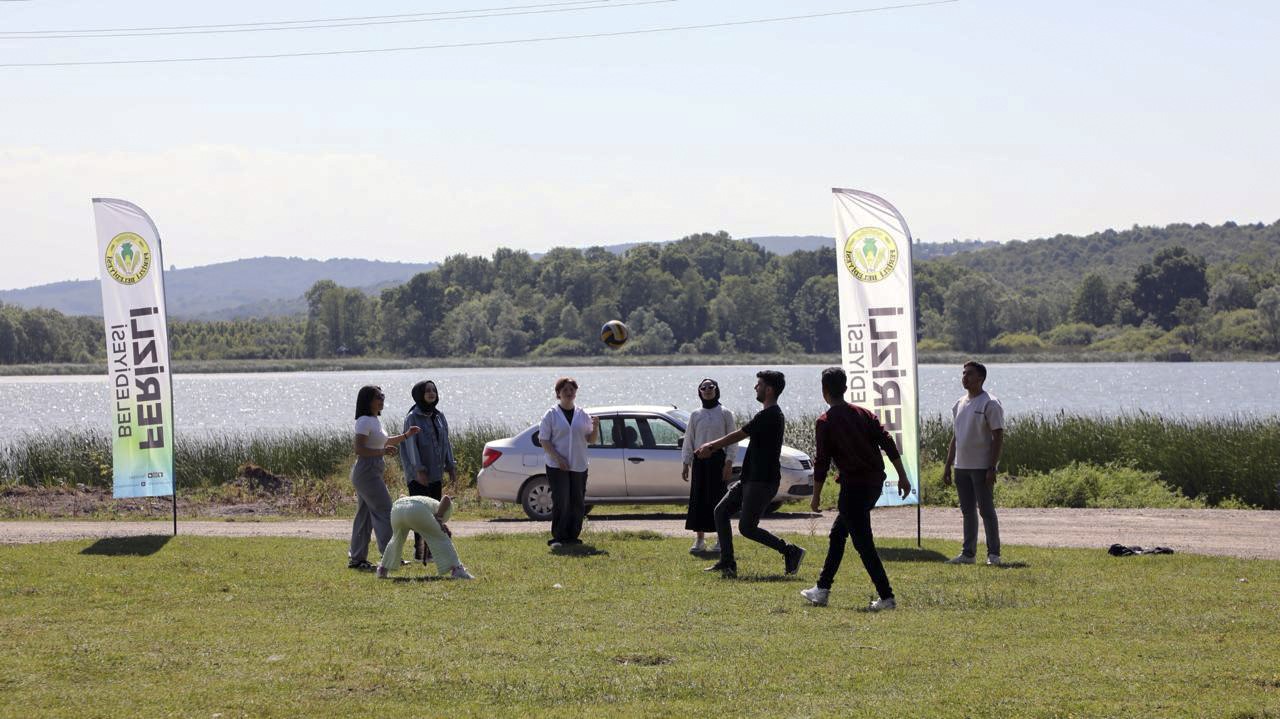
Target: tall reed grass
1211	460
84	457
1214	460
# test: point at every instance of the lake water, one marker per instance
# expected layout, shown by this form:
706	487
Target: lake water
246	404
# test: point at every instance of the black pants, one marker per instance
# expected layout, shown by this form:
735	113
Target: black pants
855	504
434	490
568	503
752	499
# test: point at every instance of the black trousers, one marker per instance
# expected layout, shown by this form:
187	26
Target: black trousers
568	503
434	490
854	519
751	499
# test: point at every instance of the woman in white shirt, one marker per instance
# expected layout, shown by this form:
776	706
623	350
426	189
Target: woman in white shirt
373	503
711	475
564	434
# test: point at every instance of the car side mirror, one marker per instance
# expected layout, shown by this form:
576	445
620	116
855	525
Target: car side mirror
680	442
537	441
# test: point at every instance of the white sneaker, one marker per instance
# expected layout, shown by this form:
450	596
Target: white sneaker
715	548
817	596
555	545
960	559
382	572
881	605
698	547
460	572
993	560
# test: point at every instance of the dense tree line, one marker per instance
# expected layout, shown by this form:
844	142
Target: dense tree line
702	294
711	294
41	335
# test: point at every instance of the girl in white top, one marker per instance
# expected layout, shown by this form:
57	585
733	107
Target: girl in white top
711	476
373	503
564	433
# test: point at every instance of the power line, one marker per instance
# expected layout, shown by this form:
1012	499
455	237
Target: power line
485	43
329	23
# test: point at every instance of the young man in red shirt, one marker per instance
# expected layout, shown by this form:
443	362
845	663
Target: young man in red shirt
852	438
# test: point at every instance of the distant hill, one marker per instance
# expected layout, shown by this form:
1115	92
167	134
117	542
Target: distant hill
274	286
787	244
1062	261
258	287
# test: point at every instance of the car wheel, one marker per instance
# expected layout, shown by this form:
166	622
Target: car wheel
535	498
773	508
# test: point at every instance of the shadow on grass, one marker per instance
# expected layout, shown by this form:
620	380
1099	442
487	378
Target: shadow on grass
1011	565
910	554
768	578
578	550
143	546
419	579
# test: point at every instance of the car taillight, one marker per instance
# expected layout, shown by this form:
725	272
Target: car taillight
490	456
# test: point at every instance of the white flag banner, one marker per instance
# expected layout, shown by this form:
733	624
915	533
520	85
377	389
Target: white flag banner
877	324
137	336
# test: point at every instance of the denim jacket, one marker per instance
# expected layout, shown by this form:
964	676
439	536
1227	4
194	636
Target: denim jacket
423	451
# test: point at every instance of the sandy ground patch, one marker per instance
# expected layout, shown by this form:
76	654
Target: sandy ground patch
1235	533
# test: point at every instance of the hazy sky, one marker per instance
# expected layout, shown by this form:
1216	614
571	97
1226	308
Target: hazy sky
991	119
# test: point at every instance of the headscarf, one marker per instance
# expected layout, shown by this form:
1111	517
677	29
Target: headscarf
708	404
419	392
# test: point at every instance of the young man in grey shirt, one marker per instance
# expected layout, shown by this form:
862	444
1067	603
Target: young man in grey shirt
978	437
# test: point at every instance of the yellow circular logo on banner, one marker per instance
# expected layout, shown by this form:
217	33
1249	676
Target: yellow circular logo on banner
128	258
870	254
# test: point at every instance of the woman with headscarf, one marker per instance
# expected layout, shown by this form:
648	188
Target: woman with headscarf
428	456
711	475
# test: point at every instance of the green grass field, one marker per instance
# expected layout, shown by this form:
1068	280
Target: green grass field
203	627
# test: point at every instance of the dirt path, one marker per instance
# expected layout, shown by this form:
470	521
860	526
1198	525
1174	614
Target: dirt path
1236	533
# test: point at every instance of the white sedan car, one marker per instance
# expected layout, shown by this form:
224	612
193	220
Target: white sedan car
635	461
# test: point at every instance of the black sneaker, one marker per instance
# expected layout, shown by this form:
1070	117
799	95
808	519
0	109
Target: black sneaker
363	566
728	570
793	555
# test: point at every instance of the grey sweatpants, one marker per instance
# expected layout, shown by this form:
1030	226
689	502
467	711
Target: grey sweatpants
373	508
976	499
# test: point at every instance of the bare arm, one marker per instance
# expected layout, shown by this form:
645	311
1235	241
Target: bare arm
396	439
732	438
363	451
997	444
951	459
904	484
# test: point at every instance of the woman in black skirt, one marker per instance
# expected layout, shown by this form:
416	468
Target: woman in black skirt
711	475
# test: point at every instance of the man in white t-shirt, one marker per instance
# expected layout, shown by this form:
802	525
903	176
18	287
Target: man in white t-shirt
975	453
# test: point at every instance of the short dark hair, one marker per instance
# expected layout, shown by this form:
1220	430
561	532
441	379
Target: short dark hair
774	379
364	400
834	382
980	368
565	382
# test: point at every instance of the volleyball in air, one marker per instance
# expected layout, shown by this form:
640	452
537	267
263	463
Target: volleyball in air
614	333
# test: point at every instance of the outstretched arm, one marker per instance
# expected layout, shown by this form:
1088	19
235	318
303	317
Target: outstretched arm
733	437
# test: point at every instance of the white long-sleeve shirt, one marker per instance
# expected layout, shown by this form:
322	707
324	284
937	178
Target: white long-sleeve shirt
706	425
569	441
